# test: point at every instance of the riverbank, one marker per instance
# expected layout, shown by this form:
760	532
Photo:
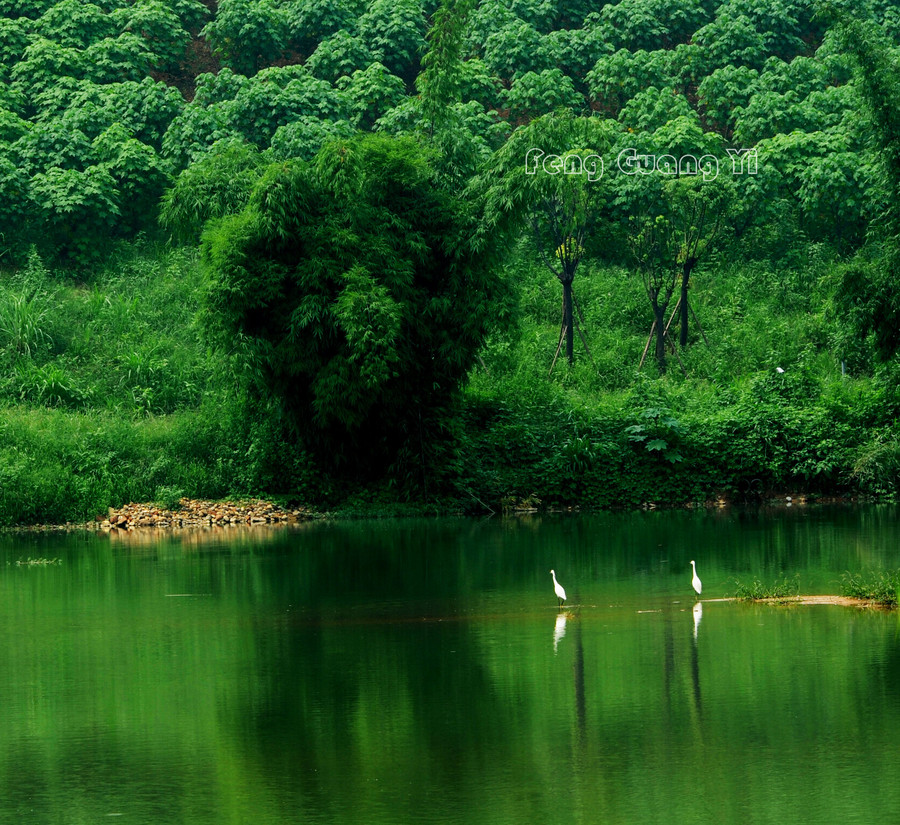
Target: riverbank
200	513
840	601
187	514
259	511
123	400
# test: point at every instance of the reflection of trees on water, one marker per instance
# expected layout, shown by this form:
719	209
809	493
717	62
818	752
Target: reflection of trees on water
347	715
319	680
672	653
578	672
695	669
455	703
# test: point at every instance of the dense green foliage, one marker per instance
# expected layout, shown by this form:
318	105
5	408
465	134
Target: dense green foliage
883	587
363	337
364	294
783	588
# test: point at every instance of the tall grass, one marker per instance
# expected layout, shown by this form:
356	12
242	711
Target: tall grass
58	465
783	588
881	587
127	340
109	392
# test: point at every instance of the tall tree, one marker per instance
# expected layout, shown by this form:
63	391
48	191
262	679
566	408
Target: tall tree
700	217
550	176
669	240
440	81
868	293
358	290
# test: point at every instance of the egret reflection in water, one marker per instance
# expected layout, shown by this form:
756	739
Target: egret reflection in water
698	615
560	630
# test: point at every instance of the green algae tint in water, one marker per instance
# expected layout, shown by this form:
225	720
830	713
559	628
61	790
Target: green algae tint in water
419	671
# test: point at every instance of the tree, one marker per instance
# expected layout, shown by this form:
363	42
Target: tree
651	24
701	213
124	57
217	184
43	63
731	41
158	25
676	212
339	54
359	291
440	82
477	83
724	93
576	51
867	293
534	94
15	36
550	176
278	95
77	209
371	93
312	21
539	13
303	137
515	49
247	35
667	248
394	31
618	77
781	22
75	24
653	108
137	170
486	19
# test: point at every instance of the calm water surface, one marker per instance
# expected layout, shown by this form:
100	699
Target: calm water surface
419	672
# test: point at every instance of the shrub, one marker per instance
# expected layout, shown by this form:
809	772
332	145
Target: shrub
246	34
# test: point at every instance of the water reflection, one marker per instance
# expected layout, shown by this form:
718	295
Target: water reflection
695	660
578	670
384	672
559	630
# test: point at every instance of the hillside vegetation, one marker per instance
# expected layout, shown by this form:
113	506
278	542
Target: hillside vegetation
296	249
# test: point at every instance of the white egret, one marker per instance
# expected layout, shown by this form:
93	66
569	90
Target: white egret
560	592
695	581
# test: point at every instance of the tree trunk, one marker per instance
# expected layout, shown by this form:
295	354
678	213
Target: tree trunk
568	321
684	310
658	312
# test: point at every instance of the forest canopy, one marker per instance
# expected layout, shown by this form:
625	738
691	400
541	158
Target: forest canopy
366	242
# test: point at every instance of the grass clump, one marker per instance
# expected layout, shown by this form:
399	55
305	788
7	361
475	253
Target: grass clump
786	587
879	587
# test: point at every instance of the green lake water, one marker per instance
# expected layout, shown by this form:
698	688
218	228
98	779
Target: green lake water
420	672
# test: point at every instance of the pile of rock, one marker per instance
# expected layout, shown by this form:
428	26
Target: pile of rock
196	513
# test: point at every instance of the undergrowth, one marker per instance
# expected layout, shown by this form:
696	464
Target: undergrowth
786	587
109	392
881	587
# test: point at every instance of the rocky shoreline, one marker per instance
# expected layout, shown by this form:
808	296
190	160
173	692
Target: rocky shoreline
255	512
200	513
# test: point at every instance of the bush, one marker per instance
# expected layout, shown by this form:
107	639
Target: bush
247	35
360	294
